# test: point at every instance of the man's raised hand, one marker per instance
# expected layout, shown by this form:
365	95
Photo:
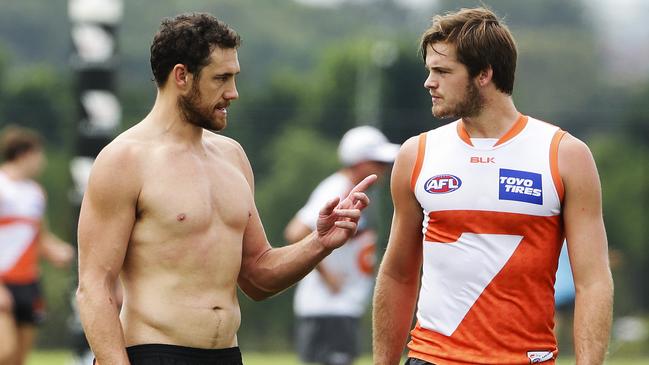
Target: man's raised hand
338	220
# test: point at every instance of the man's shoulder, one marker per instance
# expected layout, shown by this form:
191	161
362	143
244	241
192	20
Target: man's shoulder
222	142
227	149
123	153
123	146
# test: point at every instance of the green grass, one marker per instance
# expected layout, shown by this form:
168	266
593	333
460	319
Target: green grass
63	358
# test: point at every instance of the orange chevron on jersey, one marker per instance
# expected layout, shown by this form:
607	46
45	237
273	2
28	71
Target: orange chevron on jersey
22	204
19	259
492	234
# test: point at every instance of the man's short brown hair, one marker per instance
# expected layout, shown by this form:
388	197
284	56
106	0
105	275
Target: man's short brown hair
482	41
16	141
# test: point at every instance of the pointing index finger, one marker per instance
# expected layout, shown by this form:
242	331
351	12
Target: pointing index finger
364	185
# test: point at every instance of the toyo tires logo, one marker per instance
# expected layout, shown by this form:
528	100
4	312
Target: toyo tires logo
441	184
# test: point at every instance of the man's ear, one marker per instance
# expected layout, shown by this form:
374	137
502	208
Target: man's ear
485	76
181	77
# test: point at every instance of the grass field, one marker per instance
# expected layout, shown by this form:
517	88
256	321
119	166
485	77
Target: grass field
63	358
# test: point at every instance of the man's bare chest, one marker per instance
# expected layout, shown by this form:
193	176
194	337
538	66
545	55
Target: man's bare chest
193	196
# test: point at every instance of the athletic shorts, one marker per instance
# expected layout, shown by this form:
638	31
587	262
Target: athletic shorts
29	306
330	340
413	361
157	354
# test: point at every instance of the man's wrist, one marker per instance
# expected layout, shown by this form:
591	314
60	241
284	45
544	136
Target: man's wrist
321	247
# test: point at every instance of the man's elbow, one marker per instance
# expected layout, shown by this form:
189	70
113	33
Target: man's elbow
602	286
86	292
256	293
81	296
258	296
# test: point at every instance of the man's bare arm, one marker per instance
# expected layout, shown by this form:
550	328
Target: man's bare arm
297	230
398	278
266	271
588	251
105	223
275	269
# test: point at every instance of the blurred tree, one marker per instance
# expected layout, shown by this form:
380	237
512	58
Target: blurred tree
637	114
38	97
532	14
263	112
330	108
33	31
57	284
406	103
623	166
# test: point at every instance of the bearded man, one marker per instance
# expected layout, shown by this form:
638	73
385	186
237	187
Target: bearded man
481	209
170	210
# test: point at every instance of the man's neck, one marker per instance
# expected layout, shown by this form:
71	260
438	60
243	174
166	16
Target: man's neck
166	117
497	117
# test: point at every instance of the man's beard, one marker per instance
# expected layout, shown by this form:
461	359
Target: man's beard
193	112
470	106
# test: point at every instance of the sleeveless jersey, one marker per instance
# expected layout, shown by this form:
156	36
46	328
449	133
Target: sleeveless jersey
22	205
492	232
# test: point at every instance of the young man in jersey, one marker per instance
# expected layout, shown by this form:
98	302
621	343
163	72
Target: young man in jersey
482	206
330	301
23	237
170	209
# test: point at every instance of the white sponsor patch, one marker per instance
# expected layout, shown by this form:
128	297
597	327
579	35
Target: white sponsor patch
539	356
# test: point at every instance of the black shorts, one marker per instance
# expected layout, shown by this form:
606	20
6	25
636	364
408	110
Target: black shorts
29	306
328	340
157	354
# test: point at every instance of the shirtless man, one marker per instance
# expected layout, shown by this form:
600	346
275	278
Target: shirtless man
170	210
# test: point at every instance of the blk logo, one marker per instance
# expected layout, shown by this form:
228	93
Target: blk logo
480	159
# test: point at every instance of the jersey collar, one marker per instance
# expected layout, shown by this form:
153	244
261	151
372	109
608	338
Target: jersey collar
518	126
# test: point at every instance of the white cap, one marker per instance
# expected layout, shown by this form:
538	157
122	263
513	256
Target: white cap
366	143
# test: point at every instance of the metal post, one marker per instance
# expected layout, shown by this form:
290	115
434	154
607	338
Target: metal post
94	26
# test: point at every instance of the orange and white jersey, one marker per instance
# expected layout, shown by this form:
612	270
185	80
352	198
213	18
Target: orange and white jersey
22	204
492	233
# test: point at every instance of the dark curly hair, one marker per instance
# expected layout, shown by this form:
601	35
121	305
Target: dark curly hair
188	39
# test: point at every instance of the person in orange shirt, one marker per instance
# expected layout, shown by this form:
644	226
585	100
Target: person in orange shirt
482	206
23	237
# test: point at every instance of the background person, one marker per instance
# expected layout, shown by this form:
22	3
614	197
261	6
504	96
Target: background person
24	236
330	301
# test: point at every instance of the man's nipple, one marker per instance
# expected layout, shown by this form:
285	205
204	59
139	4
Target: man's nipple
181	217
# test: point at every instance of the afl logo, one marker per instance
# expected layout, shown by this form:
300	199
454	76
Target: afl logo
441	184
